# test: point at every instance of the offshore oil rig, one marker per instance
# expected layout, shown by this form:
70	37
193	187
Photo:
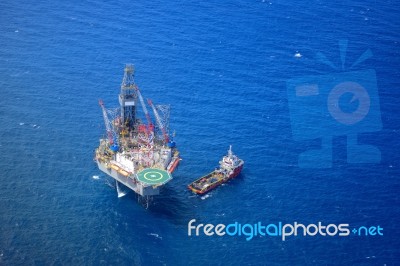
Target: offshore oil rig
137	153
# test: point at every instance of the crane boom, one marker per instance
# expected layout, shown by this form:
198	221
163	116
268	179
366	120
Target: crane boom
158	119
111	135
106	121
149	123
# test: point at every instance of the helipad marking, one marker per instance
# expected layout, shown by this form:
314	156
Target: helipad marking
153	176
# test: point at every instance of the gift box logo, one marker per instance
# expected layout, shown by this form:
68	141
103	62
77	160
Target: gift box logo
335	104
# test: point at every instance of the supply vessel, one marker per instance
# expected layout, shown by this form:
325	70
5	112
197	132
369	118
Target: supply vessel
135	152
229	167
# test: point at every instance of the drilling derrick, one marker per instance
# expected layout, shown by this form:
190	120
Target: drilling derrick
128	98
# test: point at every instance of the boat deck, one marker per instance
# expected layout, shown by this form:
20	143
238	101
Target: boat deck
208	181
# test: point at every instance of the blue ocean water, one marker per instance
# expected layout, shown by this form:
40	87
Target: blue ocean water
223	66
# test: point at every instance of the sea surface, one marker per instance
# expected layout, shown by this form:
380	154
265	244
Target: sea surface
223	66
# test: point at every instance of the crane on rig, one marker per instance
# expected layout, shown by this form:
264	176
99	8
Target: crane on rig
159	123
111	134
146	132
150	125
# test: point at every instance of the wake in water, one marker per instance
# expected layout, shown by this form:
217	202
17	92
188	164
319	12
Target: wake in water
32	125
205	196
155	235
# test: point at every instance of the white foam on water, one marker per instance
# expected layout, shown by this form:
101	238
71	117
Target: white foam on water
297	54
155	235
121	193
96	177
205	196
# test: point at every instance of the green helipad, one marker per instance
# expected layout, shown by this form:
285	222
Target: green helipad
152	176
